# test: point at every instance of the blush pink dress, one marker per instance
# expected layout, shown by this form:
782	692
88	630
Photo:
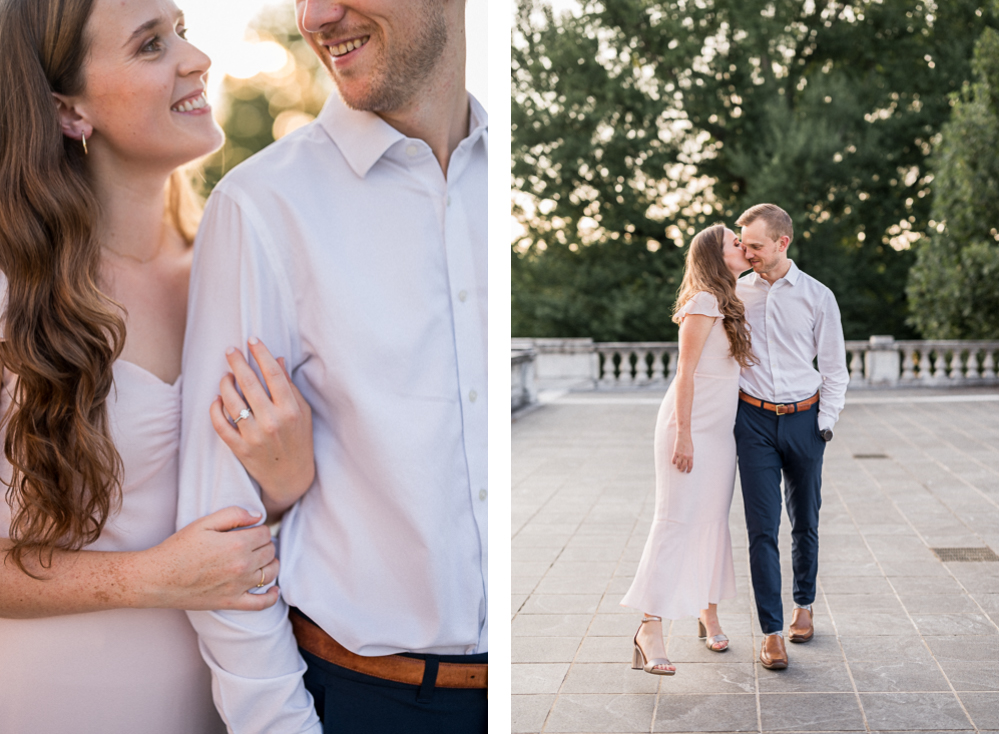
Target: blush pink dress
687	562
124	671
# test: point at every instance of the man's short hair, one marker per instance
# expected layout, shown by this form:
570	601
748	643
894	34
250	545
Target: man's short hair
776	219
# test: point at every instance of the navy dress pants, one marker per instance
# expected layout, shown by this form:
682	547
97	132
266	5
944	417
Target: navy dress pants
354	703
770	447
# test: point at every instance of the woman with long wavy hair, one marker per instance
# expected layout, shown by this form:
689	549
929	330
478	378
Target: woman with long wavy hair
687	564
103	101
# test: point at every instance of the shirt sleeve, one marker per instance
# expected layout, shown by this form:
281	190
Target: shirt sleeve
702	303
831	358
238	290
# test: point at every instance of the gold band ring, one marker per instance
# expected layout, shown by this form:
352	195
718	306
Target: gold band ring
261	578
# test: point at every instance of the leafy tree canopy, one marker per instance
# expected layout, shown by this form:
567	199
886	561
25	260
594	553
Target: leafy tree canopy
953	286
637	123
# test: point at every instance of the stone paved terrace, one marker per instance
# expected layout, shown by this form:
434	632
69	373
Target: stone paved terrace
904	641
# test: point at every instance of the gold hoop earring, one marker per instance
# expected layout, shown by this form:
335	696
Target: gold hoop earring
84	139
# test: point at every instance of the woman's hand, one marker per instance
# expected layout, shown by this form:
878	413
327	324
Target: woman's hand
275	442
210	564
683	457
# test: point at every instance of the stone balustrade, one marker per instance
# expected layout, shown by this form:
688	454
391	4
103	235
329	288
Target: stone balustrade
881	361
635	364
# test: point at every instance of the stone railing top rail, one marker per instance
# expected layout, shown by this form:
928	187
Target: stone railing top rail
923	344
878	361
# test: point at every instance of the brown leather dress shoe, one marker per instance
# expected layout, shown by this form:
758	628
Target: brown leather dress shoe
772	653
801	628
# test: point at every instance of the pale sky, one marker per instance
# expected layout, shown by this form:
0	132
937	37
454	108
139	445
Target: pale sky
218	28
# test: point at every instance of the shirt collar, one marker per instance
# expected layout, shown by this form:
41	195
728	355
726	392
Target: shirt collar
478	120
364	137
792	276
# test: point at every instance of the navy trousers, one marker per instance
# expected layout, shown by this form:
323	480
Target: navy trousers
770	447
354	703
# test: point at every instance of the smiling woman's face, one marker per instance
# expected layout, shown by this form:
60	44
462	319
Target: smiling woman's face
144	86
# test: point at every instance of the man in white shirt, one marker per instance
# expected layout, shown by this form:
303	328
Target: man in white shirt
786	415
355	247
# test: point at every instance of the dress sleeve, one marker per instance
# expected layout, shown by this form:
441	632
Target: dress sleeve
702	303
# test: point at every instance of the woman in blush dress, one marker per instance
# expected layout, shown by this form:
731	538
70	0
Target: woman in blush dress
687	563
103	102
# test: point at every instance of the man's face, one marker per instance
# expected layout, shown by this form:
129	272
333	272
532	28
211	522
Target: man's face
763	253
380	53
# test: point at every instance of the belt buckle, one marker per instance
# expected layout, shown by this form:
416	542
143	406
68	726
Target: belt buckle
777	406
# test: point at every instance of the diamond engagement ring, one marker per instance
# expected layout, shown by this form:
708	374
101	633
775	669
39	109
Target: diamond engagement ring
244	414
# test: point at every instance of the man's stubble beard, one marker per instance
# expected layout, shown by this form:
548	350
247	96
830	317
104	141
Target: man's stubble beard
401	72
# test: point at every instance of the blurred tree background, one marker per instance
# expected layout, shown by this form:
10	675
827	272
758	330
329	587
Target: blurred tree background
953	284
267	106
637	123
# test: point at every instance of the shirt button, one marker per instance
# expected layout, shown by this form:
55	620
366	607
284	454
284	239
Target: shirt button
447	202
411	150
462	295
472	396
482	495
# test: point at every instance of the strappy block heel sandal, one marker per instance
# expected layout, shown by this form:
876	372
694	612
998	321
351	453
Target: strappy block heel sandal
711	642
639	661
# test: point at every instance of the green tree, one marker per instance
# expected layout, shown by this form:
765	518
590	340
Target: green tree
638	122
259	110
953	288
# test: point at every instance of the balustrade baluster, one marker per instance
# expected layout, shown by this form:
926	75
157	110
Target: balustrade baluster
972	365
955	366
658	369
607	367
925	365
640	366
909	355
939	364
988	364
857	366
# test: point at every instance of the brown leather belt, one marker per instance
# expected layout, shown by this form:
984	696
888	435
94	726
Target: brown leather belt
780	408
396	668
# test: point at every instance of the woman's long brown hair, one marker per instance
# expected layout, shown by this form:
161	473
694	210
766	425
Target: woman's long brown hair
706	270
61	334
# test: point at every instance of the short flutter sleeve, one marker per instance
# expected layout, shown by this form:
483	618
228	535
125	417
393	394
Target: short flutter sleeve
702	303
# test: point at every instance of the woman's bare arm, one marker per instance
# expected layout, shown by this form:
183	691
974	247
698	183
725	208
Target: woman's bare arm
694	332
207	565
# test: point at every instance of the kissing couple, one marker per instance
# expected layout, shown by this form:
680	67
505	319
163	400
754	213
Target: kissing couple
745	392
